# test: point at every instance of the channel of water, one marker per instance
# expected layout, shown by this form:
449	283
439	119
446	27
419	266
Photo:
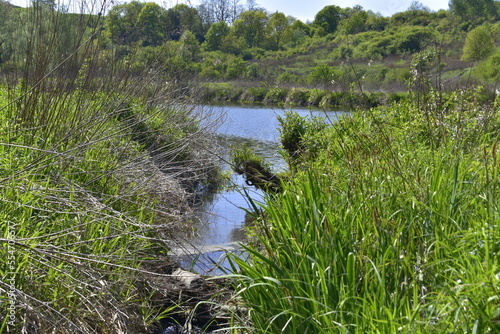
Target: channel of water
222	215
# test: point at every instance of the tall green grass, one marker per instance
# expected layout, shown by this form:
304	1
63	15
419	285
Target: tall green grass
98	167
392	228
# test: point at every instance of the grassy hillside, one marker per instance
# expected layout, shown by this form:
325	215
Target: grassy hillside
387	221
342	50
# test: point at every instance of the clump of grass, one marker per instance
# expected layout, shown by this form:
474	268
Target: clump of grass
386	230
256	170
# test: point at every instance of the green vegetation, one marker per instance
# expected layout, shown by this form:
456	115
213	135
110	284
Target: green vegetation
387	221
390	227
99	166
256	171
341	50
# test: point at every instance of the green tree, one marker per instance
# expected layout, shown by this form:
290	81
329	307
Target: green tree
190	46
299	32
327	19
121	22
412	38
474	11
490	68
277	27
233	44
354	20
322	75
478	45
215	35
417	14
236	68
182	18
376	21
252	27
152	22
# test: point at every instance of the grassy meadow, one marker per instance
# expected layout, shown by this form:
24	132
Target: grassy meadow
388	225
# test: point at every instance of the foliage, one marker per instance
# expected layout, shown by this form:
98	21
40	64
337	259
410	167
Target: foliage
475	12
489	69
279	32
323	76
327	19
215	35
255	169
151	24
375	45
91	149
124	26
384	232
251	26
478	44
272	43
299	135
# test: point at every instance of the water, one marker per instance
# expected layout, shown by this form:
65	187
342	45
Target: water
223	215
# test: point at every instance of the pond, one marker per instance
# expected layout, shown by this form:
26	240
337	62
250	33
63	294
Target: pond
222	215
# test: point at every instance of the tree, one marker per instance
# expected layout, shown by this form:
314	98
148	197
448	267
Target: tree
251	26
49	4
182	18
354	20
474	11
417	14
252	5
215	35
277	26
233	44
121	22
151	22
190	46
327	19
490	69
478	45
322	75
376	21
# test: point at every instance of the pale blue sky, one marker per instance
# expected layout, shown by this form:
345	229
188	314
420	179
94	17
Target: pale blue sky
300	9
305	10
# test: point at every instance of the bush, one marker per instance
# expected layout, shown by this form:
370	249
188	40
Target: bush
297	96
255	94
300	136
315	97
287	78
276	95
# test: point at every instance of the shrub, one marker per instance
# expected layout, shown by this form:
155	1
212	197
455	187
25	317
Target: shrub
322	76
255	94
297	96
286	78
315	97
276	95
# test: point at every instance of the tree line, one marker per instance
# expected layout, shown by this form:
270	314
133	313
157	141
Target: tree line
214	21
229	39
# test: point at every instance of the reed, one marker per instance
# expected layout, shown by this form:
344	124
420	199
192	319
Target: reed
98	166
386	231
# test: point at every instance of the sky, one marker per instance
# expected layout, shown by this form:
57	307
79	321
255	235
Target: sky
306	10
303	10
